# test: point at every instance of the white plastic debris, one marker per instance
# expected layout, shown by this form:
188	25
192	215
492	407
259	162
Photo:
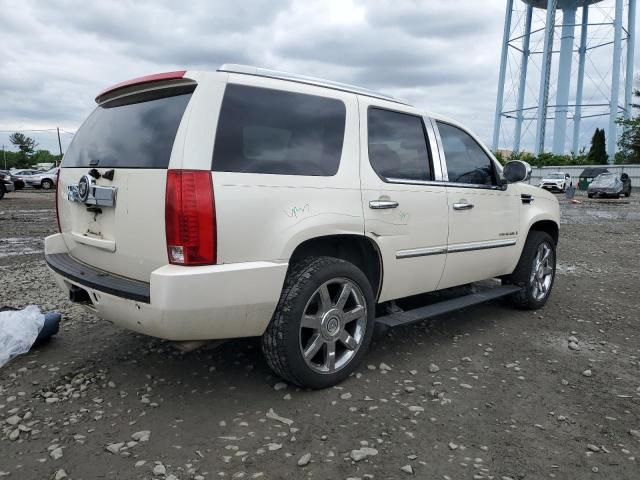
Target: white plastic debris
18	331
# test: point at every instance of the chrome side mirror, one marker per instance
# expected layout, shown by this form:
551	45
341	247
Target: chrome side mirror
517	171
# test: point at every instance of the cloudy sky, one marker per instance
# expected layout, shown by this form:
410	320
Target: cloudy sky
440	55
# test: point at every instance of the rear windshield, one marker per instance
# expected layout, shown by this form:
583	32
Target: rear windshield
133	132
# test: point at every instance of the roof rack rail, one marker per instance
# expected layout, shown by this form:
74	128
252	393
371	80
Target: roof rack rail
294	77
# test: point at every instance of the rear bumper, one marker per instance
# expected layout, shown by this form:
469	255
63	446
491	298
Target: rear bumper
179	303
9	187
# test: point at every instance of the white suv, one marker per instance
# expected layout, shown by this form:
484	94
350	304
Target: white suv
248	202
556	181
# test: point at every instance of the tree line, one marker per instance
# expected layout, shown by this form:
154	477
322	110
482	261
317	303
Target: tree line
28	153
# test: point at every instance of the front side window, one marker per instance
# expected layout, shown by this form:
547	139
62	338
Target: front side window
466	161
397	145
276	132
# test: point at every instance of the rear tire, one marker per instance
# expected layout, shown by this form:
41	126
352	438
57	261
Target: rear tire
1	191
322	325
535	272
590	195
47	184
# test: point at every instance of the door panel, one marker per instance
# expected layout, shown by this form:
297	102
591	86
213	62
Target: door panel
482	238
483	218
406	217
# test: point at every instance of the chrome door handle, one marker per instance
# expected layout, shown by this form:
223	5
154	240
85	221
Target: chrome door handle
462	206
382	204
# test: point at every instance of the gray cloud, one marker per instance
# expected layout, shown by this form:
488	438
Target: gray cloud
441	55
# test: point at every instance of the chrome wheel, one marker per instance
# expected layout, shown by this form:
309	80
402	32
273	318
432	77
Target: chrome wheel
542	272
333	325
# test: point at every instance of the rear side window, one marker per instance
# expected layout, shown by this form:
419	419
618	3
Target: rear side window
136	131
466	161
275	132
397	146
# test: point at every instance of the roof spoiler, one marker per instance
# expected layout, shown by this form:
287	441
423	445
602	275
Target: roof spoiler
135	82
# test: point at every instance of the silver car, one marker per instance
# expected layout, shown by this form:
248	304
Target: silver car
46	180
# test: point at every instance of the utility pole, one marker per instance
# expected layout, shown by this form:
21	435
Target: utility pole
59	145
4	154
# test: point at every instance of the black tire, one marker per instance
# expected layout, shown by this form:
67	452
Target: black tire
522	275
1	191
626	194
281	342
47	184
590	195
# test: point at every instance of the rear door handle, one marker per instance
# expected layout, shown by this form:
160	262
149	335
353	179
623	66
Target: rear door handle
462	206
382	204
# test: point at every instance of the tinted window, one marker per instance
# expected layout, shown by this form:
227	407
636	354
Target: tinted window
134	132
397	145
466	160
272	131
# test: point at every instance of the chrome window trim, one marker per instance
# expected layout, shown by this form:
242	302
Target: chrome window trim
436	160
441	157
417	182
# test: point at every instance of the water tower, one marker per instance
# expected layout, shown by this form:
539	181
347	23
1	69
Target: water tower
548	77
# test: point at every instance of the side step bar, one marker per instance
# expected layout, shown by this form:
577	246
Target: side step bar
422	313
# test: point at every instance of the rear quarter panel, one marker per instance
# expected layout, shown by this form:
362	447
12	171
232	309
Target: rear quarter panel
265	217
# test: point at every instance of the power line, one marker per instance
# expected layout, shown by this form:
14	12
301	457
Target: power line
35	130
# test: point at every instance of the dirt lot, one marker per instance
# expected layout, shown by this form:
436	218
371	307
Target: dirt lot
488	392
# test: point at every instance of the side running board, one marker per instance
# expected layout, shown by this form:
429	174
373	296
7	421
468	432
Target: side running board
422	313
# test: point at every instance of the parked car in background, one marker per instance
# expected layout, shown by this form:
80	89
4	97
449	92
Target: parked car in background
45	180
556	182
626	184
588	175
18	183
609	185
6	185
357	199
23	174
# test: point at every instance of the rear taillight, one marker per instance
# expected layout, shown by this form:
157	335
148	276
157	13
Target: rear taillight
190	218
57	201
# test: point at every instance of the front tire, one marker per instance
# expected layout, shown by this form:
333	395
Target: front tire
322	325
535	272
47	184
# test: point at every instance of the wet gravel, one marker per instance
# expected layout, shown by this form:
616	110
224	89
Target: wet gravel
488	392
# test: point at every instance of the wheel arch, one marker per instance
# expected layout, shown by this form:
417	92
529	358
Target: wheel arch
353	248
548	226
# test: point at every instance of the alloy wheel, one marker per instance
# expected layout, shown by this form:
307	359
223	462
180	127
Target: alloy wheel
333	325
542	272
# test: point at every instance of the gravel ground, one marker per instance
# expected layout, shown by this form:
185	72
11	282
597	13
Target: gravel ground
488	392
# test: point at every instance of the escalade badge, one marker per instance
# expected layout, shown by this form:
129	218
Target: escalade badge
86	191
83	188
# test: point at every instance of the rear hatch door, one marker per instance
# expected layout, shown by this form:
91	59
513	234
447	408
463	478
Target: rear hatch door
126	146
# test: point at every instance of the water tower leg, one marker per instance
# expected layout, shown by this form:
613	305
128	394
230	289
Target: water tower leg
502	74
543	95
524	64
564	78
631	40
612	137
582	51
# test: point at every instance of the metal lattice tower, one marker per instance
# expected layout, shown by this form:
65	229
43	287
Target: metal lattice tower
603	55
